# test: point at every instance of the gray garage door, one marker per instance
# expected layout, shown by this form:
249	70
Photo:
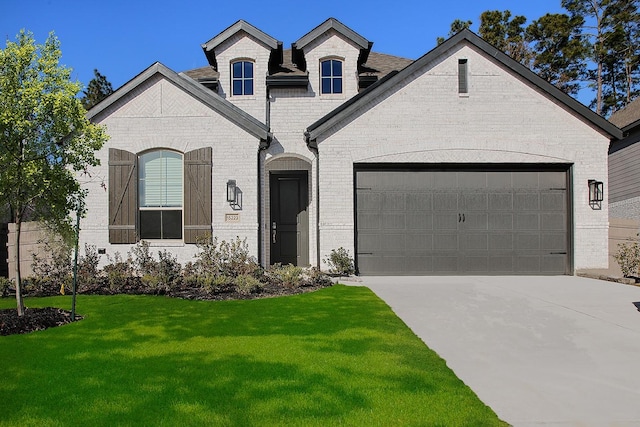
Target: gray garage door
462	222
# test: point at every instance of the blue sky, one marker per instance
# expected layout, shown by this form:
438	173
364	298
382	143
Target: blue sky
122	38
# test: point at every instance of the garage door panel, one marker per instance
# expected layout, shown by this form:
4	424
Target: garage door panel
446	221
462	222
418	202
369	221
445	202
369	201
526	201
553	202
474	201
393	221
393	202
554	221
500	242
419	221
501	202
475	242
527	221
500	221
528	242
445	242
445	263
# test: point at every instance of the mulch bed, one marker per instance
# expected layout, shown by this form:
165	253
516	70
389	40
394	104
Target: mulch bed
34	319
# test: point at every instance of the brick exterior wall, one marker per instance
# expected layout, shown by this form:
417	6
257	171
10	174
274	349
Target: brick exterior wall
421	120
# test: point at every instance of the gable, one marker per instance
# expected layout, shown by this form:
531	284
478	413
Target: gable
445	80
144	96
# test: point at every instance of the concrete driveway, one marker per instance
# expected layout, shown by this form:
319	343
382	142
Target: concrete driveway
556	351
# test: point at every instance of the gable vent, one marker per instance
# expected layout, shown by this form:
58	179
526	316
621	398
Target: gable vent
463	86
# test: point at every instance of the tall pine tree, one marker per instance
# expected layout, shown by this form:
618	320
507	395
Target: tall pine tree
99	88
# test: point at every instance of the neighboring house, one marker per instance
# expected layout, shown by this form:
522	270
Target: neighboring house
460	162
624	164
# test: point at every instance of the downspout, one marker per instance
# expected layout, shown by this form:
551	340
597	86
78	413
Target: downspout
313	146
264	144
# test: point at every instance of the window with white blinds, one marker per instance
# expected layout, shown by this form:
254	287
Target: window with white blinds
160	179
160	189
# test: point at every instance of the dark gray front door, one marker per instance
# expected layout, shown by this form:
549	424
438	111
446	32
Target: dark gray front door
462	222
289	224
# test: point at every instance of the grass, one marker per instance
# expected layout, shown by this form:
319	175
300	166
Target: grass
338	356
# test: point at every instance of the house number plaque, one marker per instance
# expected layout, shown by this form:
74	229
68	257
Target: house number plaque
232	217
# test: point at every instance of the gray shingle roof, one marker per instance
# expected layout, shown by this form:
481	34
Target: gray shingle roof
628	115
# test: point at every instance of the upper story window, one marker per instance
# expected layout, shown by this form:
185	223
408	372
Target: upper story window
331	76
160	194
242	78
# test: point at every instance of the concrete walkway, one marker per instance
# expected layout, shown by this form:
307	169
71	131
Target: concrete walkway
553	351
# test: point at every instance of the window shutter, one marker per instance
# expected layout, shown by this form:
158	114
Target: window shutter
197	194
123	202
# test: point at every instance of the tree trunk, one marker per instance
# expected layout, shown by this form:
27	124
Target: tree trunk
19	300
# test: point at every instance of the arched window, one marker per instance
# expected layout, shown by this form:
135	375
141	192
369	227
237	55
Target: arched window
331	76
160	190
242	78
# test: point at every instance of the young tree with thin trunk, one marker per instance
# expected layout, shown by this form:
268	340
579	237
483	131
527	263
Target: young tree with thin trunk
46	141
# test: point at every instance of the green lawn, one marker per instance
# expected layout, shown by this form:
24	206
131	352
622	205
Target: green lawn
338	356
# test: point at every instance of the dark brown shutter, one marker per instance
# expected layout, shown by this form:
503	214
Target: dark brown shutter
123	196
197	194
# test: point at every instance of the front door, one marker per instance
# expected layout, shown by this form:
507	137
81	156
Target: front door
289	222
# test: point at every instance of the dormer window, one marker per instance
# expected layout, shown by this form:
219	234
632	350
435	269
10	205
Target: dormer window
331	76
242	78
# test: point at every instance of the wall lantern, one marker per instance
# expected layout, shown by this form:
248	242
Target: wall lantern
231	191
596	192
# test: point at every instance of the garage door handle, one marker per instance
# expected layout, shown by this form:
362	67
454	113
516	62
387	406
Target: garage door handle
557	253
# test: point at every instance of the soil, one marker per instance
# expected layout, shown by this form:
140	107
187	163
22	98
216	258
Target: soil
34	319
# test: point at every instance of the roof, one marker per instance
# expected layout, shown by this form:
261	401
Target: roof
629	116
360	101
331	24
241	25
195	89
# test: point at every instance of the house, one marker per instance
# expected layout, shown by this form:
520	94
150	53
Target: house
460	162
624	164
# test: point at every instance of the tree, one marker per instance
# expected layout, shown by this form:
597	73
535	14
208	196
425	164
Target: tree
505	33
46	141
97	90
456	26
611	27
559	51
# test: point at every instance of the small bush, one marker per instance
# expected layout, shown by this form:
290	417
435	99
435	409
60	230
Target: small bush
51	266
5	286
118	271
628	258
88	266
246	284
142	260
226	258
314	277
168	270
340	262
288	276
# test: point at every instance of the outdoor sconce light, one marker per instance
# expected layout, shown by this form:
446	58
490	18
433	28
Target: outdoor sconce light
231	191
596	192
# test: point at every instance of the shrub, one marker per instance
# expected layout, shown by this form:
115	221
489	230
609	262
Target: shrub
52	267
88	266
5	286
314	277
168	270
226	258
142	260
628	258
289	276
246	284
118	271
340	262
